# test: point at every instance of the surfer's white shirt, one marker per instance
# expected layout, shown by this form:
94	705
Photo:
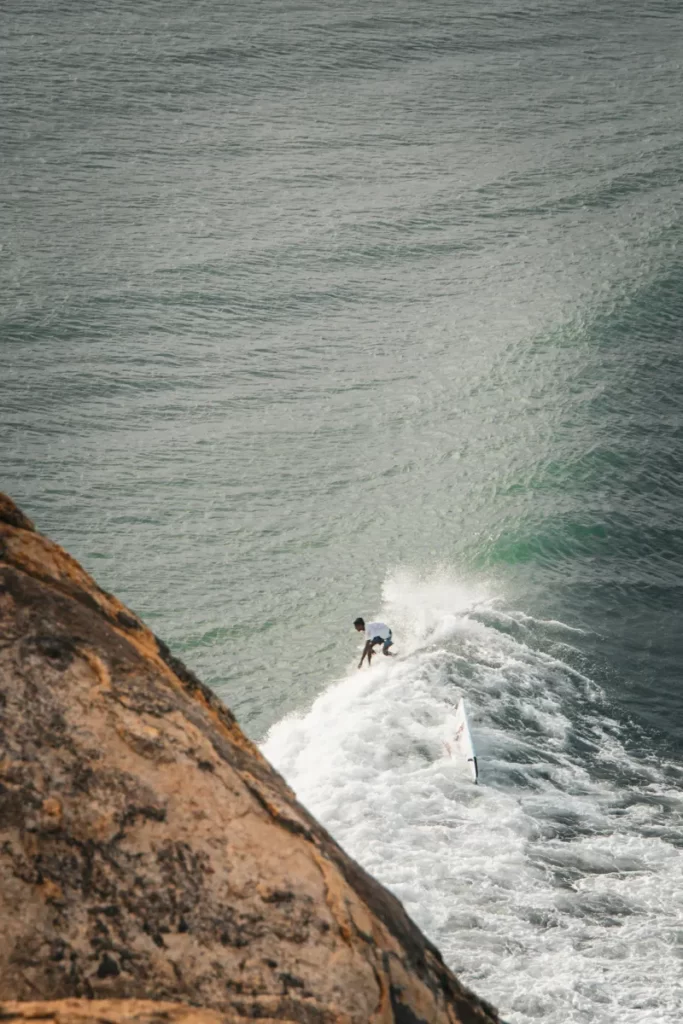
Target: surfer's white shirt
375	629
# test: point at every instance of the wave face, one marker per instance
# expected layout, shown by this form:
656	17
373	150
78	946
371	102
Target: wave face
555	885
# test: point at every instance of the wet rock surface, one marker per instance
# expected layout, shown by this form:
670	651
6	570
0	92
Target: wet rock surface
149	852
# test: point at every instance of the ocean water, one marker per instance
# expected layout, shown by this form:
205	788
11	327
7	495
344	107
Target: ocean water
314	310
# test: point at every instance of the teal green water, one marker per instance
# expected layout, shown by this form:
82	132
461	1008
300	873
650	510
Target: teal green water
308	311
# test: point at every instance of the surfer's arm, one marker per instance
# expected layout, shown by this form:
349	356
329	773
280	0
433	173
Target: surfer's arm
366	651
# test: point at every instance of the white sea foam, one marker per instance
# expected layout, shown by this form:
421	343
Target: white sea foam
554	887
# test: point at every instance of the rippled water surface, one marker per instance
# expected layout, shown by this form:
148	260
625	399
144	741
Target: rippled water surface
312	310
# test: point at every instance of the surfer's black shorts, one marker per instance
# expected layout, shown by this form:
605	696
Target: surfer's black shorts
386	644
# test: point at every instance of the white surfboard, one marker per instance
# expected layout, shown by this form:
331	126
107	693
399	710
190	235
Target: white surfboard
459	742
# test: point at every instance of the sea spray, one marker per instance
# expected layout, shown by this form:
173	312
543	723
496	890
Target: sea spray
553	884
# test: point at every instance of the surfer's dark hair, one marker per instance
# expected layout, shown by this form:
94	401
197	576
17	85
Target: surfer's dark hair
359	621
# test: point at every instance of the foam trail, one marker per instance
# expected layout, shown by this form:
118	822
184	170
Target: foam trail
555	886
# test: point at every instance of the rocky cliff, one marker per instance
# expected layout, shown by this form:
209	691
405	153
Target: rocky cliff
149	852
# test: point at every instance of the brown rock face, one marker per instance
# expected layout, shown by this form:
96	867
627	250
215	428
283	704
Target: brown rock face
149	852
123	1011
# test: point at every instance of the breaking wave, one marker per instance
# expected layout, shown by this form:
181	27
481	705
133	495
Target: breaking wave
554	887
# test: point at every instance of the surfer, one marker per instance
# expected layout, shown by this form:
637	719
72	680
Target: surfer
377	633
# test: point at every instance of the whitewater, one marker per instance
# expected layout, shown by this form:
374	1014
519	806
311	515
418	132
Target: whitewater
556	885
